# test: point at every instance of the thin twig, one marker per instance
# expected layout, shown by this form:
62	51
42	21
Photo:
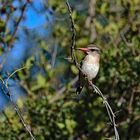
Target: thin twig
73	56
17	25
14	34
27	127
6	83
16	108
73	36
108	108
62	90
122	34
89	23
54	54
123	31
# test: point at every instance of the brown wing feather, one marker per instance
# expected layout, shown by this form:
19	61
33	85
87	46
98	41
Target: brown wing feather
81	82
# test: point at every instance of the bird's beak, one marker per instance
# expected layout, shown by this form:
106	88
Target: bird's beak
83	49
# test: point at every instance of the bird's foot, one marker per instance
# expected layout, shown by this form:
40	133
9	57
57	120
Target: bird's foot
90	82
85	76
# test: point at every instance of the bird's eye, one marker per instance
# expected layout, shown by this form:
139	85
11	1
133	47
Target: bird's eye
95	50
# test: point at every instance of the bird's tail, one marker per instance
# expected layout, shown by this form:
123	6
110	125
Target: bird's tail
79	89
80	84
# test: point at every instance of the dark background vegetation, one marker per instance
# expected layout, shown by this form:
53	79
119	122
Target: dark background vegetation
42	42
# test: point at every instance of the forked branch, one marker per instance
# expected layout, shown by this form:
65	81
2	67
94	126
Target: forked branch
95	88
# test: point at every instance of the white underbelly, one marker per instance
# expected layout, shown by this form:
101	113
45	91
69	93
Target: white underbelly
90	70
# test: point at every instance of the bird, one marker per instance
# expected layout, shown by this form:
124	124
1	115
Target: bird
89	65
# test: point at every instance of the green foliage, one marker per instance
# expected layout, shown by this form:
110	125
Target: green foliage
54	113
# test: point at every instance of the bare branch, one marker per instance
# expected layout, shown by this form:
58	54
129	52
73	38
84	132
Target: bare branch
74	59
62	90
16	108
108	107
122	34
54	54
17	25
123	31
89	23
6	83
27	127
14	34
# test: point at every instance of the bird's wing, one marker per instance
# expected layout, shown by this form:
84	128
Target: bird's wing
81	81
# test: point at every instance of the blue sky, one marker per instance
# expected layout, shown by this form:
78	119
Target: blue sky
36	19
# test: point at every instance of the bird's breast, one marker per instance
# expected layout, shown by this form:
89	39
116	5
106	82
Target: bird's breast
90	70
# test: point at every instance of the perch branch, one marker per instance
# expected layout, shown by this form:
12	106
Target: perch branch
73	56
73	30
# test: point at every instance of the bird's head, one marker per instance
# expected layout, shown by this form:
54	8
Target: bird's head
91	49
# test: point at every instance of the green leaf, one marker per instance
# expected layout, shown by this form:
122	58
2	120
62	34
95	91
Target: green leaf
74	69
